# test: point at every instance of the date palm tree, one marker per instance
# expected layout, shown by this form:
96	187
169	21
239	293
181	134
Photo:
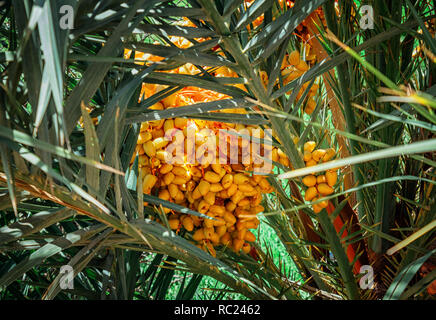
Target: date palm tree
69	191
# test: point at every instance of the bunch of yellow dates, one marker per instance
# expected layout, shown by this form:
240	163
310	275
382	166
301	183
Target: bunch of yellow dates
222	191
294	67
321	185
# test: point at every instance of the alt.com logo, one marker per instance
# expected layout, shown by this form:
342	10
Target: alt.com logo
66	22
367	17
67	277
366	282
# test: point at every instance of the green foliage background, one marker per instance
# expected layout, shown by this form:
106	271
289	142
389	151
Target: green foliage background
68	196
